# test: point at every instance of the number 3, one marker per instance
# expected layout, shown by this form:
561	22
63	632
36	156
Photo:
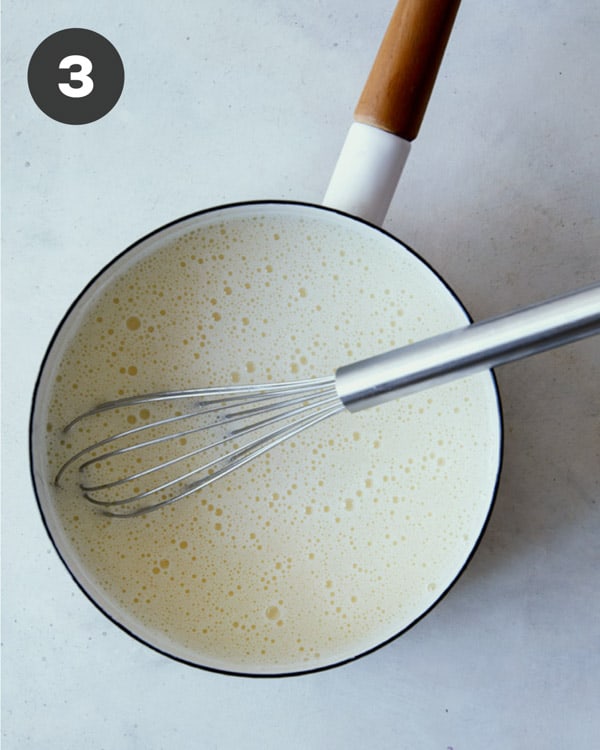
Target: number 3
82	76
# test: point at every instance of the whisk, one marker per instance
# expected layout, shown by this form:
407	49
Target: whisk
145	467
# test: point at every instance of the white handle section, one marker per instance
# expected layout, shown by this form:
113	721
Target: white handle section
367	172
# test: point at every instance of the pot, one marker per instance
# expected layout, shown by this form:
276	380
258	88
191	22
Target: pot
342	539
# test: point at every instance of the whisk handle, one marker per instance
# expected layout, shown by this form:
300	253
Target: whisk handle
474	348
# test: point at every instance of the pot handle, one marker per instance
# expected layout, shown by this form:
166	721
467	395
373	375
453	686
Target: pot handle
391	108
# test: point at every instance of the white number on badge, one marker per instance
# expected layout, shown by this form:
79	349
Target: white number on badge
82	76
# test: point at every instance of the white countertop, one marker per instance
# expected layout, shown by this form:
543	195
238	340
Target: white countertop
226	101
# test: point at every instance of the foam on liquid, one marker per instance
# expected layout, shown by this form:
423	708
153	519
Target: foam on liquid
336	540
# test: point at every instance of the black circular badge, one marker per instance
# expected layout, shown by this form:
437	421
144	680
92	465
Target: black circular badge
75	76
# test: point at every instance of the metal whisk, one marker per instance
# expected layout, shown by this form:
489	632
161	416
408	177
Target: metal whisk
188	439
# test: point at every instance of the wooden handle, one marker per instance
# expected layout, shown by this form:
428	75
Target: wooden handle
398	88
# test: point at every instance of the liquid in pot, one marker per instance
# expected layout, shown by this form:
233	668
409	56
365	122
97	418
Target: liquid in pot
335	541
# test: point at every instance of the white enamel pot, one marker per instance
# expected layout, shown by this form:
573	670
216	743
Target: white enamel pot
338	542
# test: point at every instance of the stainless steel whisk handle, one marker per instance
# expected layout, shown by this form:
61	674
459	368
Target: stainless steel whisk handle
474	348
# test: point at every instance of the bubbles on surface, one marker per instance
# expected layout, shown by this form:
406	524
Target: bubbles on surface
336	540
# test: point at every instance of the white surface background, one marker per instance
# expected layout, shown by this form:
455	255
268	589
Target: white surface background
251	99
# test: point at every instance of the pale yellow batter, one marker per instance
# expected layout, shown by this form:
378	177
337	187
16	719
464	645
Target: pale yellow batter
335	541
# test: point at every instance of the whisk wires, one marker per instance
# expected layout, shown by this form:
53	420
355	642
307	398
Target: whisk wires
142	468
